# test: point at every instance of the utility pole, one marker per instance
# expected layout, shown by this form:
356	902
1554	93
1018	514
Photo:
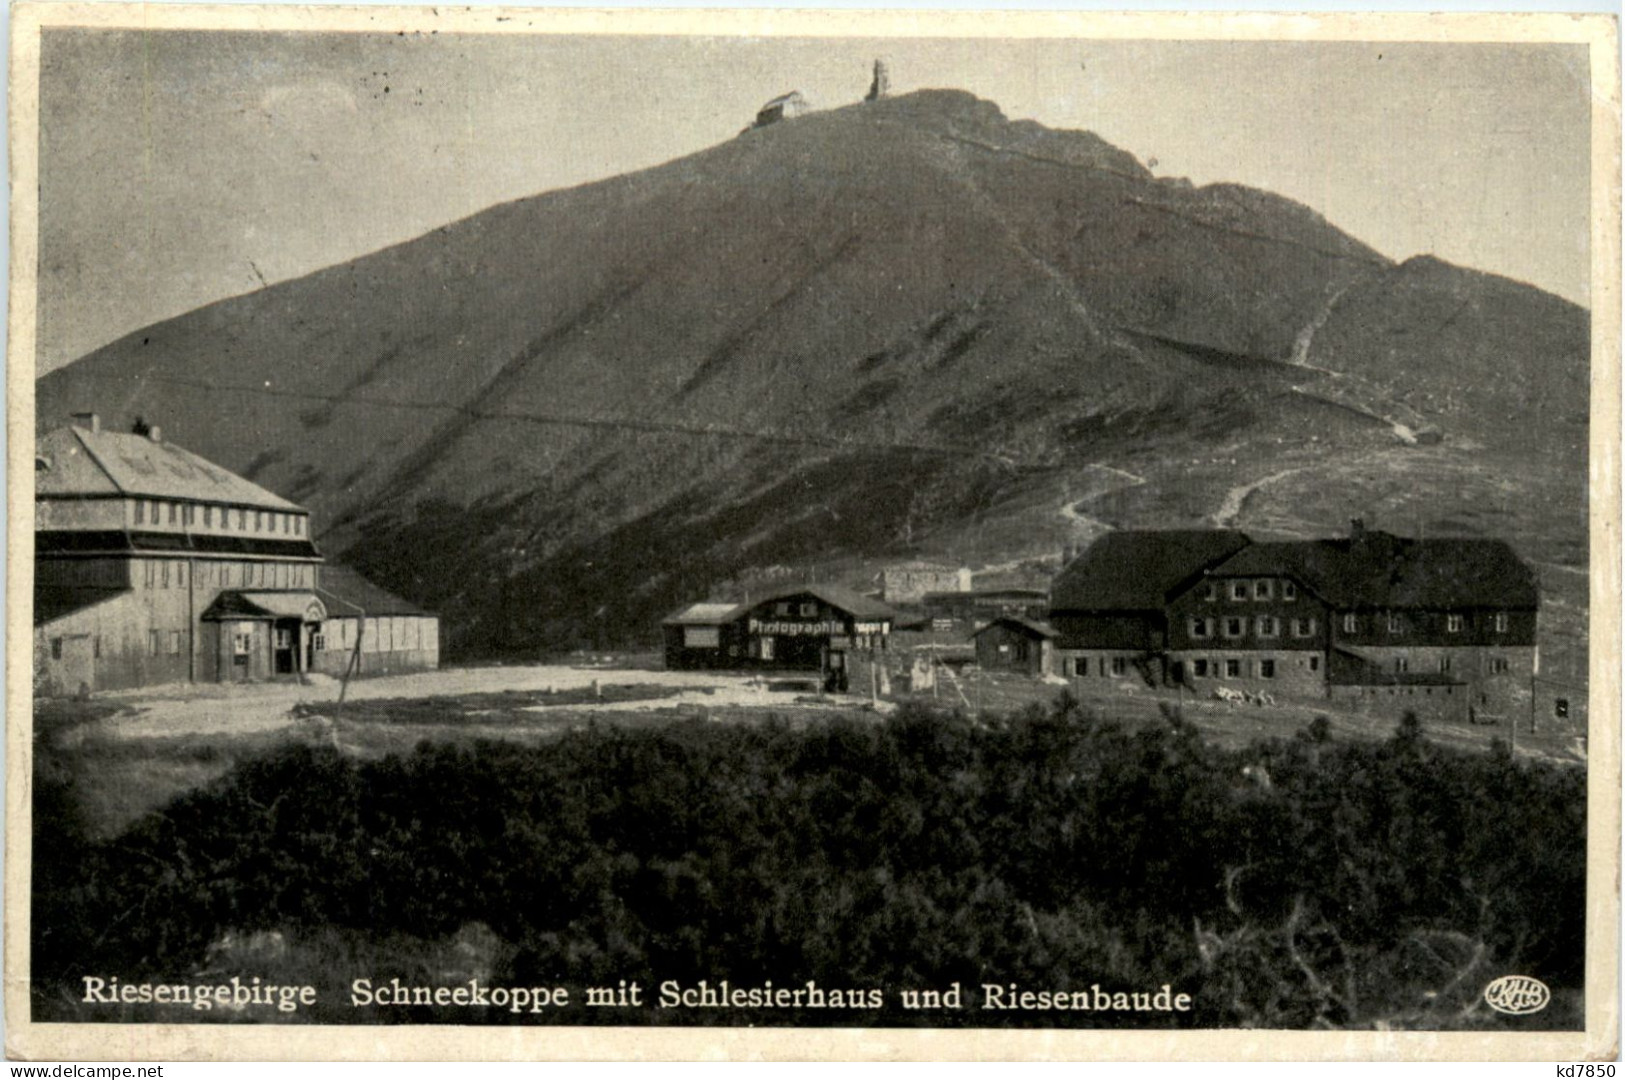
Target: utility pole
355	657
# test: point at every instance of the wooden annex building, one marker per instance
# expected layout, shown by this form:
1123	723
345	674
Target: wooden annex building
152	565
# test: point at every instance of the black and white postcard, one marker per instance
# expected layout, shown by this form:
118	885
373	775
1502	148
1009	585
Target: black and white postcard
800	534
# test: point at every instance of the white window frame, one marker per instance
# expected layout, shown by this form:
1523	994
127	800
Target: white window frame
1240	624
1266	668
1289	590
1199	627
1267	626
1396	623
1351	623
1452	624
1238	590
1264	589
1501	622
1303	628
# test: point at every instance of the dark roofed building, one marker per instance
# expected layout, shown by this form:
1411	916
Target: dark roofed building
1109	606
1369	614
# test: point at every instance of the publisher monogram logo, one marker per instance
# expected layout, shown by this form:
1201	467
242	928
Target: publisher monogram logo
1517	995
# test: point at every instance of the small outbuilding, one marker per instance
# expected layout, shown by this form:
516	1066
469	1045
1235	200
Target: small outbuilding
1015	643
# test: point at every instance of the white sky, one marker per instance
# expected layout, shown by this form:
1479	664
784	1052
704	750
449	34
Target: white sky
178	168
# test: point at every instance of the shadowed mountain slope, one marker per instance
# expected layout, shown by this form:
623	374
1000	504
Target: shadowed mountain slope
879	329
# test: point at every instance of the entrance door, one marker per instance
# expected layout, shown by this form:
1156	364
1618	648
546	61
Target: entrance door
284	640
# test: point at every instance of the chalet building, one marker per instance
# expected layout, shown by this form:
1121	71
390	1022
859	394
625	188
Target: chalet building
910	582
1109	606
152	565
1013	643
804	628
1446	625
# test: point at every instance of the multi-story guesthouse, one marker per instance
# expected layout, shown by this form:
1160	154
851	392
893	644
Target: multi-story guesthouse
1447	625
802	628
152	565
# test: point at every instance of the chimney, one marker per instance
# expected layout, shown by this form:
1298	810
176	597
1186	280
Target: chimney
1357	529
146	430
87	420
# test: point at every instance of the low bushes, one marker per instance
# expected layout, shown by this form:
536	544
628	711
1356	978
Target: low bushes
1299	882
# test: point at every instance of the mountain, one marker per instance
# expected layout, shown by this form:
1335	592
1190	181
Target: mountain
911	326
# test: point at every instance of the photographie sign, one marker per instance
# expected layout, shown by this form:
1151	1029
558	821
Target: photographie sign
428	406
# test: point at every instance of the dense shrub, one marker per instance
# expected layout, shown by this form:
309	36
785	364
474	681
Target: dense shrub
1298	882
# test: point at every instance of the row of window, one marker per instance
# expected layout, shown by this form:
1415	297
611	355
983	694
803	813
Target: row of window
1105	666
160	512
1235	626
1252	589
1397	623
1237	668
171	573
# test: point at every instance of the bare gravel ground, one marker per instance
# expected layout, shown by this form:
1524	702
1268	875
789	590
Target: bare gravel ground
184	709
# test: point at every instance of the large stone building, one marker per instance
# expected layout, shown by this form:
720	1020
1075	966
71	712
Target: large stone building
1443	626
152	565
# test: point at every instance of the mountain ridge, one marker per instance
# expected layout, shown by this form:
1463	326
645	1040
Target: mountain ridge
909	313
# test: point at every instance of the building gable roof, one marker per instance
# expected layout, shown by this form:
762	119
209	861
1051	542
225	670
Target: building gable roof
1138	571
76	461
1034	627
1375	569
704	614
52	602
